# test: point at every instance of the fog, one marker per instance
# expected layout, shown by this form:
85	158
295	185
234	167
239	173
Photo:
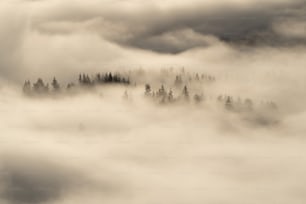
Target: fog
116	143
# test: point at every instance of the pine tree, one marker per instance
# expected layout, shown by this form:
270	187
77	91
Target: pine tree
55	85
83	79
185	93
80	78
161	91
197	77
110	77
88	81
198	98
229	103
27	87
40	87
70	86
178	80
170	96
147	90
99	78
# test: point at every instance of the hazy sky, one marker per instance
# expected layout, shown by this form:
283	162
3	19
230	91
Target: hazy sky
53	37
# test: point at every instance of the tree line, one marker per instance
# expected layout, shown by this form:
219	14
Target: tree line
103	78
164	96
40	87
180	82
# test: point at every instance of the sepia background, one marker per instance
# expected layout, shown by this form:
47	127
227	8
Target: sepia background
98	148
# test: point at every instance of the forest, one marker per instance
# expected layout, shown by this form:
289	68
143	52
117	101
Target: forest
166	87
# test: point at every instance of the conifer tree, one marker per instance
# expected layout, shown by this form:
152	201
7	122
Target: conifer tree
27	87
147	90
55	85
185	93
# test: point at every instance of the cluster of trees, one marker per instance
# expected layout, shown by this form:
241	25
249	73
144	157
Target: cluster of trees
103	78
180	79
40	87
163	96
240	105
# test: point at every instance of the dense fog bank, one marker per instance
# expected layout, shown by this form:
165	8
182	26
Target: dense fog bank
100	147
108	101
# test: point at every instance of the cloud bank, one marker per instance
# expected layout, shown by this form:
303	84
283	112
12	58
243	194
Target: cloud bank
45	37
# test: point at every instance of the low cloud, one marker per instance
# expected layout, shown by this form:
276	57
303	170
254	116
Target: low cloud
136	24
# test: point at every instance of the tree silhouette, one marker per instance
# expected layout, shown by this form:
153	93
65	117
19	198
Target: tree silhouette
27	87
55	85
198	98
178	80
161	91
70	86
39	87
147	90
229	103
162	94
185	93
170	96
80	79
197	77
99	77
110	77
